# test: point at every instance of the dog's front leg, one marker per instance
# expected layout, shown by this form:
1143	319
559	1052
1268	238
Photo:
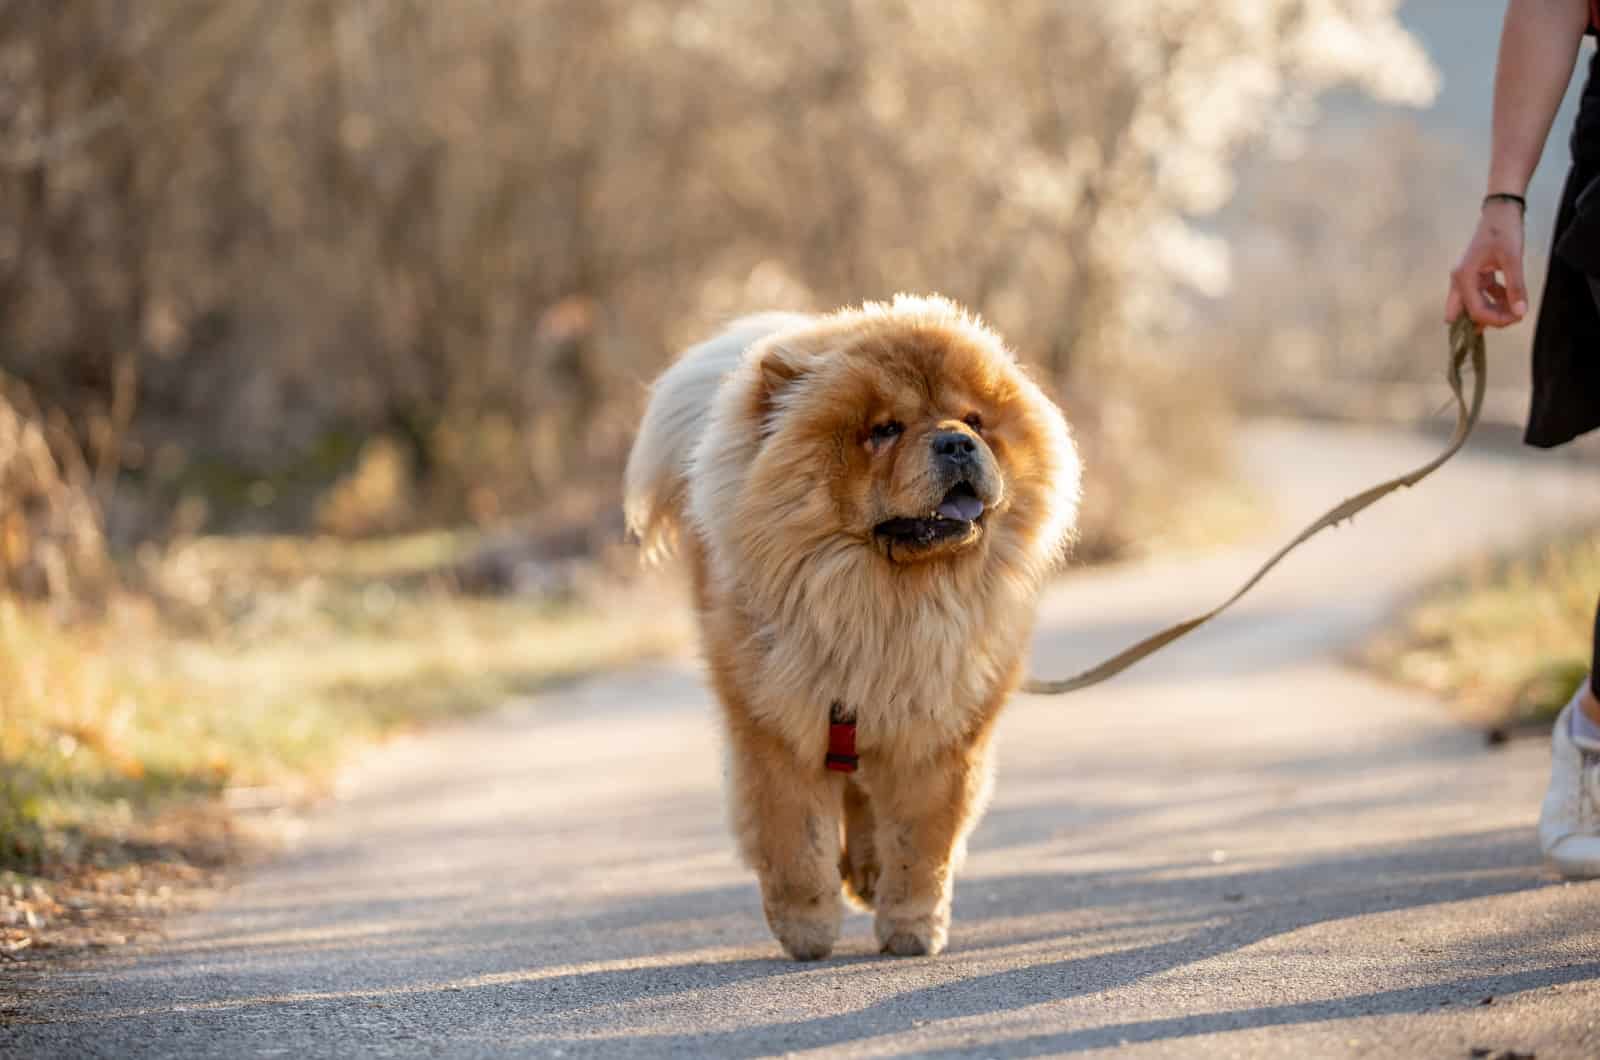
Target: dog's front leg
923	811
786	816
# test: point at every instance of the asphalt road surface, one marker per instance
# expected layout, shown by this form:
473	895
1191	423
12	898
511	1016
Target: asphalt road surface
1242	848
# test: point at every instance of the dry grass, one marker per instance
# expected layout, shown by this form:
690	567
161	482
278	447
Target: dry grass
1508	640
121	740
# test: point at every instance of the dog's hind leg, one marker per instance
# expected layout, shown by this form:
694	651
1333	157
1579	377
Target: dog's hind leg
859	863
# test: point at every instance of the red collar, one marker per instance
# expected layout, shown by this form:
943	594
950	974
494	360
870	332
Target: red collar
842	756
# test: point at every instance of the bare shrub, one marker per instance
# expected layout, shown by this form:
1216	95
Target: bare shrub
1340	288
477	227
51	545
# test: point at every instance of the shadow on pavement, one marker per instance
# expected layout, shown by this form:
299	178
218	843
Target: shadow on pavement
1276	901
1379	1003
510	997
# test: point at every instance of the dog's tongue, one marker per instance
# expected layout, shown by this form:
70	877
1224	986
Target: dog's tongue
960	504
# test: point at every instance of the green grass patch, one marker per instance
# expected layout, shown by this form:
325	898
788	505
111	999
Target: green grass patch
278	656
1507	639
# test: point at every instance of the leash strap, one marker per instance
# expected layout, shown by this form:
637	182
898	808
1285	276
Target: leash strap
1466	345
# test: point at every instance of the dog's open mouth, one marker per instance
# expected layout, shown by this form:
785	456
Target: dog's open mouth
955	516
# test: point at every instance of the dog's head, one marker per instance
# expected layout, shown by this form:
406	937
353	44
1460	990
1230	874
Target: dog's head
907	431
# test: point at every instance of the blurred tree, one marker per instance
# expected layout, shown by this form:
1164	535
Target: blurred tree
1340	287
347	217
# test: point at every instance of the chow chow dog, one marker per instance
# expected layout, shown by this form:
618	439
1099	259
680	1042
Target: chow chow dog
868	503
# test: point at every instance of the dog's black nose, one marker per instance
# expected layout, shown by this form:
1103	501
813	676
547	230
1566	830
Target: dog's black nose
954	448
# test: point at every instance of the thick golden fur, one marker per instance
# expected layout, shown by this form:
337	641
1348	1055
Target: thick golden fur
763	457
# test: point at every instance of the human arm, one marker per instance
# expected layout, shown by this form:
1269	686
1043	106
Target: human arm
1538	47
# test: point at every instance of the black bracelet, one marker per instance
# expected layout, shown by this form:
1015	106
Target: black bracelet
1506	196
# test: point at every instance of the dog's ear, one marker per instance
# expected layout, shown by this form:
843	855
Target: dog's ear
781	366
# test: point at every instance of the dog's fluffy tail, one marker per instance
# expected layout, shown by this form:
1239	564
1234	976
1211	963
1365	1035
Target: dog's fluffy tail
655	483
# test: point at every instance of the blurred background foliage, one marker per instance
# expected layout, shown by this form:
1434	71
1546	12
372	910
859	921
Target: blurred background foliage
324	324
362	266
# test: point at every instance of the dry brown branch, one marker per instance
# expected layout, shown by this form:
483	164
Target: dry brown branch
309	224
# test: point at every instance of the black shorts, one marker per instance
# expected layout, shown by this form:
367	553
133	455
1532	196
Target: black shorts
1566	338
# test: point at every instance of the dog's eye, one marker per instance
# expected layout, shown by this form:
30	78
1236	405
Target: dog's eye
887	431
974	421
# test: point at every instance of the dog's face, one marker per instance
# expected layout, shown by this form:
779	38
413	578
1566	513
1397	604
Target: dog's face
910	427
921	441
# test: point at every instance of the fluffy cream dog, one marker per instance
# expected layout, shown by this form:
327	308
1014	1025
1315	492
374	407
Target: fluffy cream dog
869	502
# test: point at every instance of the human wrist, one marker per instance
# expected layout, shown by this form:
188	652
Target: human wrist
1513	200
1507	175
1502	213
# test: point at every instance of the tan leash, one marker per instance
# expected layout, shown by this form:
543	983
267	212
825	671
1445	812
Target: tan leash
1466	344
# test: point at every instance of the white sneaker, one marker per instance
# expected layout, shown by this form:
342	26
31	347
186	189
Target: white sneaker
1569	823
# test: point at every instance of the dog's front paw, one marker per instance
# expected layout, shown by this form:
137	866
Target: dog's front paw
805	939
922	936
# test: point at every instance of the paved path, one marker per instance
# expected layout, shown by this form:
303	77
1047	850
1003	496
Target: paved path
1240	849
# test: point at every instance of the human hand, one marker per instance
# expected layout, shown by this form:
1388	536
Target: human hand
1494	252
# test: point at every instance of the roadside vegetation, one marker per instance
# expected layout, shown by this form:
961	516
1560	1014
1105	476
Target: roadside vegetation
324	328
1507	640
128	742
